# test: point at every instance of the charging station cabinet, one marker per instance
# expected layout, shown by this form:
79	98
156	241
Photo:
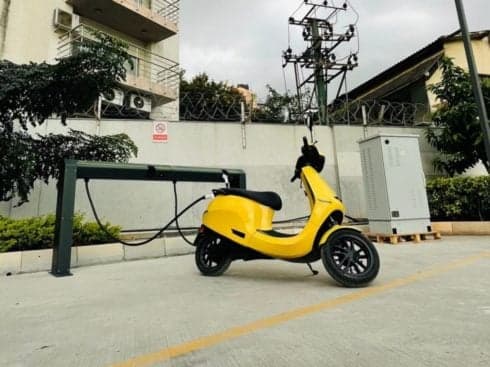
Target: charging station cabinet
394	184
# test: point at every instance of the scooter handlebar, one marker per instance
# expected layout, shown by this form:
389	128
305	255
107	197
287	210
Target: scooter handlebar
298	164
309	157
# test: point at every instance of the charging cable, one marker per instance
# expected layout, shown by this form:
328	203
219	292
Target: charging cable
175	220
177	217
158	234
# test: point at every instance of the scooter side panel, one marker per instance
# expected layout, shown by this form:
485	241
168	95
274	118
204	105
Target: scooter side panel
237	218
286	247
300	245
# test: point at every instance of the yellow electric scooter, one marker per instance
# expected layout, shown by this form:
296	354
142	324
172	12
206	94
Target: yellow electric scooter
237	225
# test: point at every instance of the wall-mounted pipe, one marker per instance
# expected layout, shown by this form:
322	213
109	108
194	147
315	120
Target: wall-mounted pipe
4	14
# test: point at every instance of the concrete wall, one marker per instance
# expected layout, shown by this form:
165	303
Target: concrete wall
481	50
455	50
267	153
27	34
30	35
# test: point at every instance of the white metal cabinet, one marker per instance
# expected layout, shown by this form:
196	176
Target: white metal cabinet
394	184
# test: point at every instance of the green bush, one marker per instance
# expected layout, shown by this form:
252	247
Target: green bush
38	233
459	198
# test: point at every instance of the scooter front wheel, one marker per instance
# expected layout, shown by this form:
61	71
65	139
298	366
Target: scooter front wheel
350	258
212	254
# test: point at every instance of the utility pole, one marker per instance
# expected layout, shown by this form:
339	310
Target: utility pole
320	82
324	59
475	79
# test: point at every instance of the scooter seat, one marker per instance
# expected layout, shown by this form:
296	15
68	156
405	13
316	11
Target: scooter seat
267	198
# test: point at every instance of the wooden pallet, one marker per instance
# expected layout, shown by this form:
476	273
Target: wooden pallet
397	238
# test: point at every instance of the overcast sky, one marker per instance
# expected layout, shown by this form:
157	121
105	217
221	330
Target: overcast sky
241	41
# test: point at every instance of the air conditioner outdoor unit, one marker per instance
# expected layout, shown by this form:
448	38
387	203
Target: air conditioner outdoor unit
62	20
114	96
141	103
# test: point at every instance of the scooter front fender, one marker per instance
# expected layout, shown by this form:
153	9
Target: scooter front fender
336	228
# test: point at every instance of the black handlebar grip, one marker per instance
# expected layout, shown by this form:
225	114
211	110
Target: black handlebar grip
296	175
305	141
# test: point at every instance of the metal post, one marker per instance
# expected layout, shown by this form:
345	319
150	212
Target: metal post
74	170
65	207
98	114
242	112
475	79
321	90
298	91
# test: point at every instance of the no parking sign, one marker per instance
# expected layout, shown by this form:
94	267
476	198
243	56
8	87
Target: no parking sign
160	132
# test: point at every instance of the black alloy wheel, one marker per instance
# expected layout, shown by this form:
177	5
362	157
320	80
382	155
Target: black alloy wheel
212	254
350	258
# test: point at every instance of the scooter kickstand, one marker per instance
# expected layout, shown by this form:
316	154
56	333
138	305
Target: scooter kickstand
315	272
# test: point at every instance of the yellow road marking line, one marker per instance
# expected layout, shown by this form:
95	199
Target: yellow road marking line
235	332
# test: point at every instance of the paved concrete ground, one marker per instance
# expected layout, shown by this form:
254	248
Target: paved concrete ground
429	306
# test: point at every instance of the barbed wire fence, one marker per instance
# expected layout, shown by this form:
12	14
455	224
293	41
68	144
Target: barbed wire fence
380	112
202	107
218	108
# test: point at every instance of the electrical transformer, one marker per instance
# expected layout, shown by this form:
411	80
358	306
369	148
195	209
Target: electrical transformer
394	184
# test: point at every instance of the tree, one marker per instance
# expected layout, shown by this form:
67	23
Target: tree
30	94
202	99
281	107
457	134
275	108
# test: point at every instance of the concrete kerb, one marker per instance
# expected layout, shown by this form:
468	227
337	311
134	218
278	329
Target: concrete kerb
101	254
153	249
173	245
10	263
40	260
462	228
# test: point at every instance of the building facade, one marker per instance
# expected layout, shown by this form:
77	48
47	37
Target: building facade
408	81
37	31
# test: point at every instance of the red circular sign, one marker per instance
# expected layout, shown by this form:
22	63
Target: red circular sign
160	128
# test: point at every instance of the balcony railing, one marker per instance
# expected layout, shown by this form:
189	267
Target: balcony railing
169	9
150	73
146	20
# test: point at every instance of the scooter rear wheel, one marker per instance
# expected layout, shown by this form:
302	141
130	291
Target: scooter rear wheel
212	254
350	258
